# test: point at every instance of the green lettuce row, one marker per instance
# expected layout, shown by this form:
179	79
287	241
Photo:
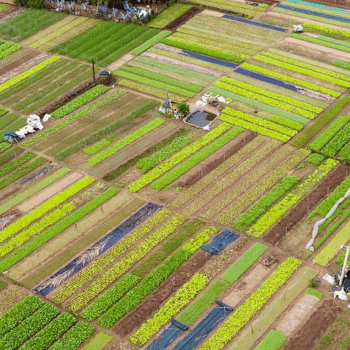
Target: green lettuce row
19	312
254	127
126	263
28	327
3	111
31	246
274	340
149	43
52	332
315	293
177	158
183	296
28	73
4	146
70	120
322	121
74	337
260	207
315	159
326	30
288	100
283	63
16	151
252	305
341	64
45	207
34	189
154	279
344	153
106	300
99	342
157	21
162	78
105	131
196	159
16	163
329	133
7	120
204	49
263	99
36	228
326	205
259	121
147	163
154	83
289	79
79	101
286	122
11	49
108	258
277	211
98	158
22	171
337	142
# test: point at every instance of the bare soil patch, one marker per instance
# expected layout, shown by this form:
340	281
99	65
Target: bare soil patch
307	204
311	330
152	303
177	22
9	11
213	161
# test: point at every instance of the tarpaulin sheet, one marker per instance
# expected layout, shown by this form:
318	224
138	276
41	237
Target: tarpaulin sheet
221	241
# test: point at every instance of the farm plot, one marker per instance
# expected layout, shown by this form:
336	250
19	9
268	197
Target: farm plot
151	76
316	12
49	82
7	48
169	14
59	32
232	6
27	24
111	41
241	180
220	38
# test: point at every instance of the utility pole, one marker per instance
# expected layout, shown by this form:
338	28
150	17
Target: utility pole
93	69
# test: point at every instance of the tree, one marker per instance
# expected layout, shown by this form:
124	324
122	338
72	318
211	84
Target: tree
183	108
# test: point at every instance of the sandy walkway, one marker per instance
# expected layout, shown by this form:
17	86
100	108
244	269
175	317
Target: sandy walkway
120	62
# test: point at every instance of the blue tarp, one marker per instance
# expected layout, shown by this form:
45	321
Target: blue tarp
204	327
262	25
98	248
221	241
208	59
174	330
314	13
266	79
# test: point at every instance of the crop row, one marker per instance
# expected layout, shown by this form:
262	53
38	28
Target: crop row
260	207
16	151
286	122
289	79
259	121
105	131
169	14
204	49
320	7
154	279
178	157
326	30
81	100
298	66
252	305
107	299
233	175
16	163
98	158
18	313
126	263
246	182
260	188
272	341
28	327
32	190
147	163
8	48
22	171
183	296
277	211
329	133
254	127
4	146
70	120
337	142
45	207
98	342
28	73
105	260
36	228
282	98
196	159
56	229
10	298
7	120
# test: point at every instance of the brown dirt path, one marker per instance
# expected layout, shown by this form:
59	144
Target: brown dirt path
19	61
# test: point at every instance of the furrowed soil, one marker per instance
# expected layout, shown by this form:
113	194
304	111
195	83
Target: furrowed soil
307	204
177	22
